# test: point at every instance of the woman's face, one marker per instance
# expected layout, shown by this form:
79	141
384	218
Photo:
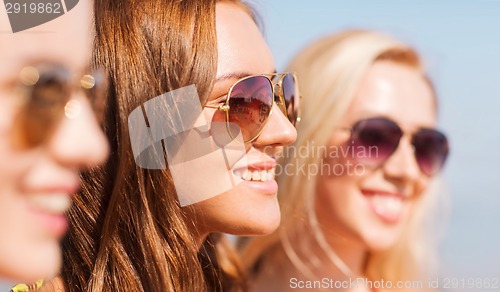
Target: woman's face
251	206
371	205
36	182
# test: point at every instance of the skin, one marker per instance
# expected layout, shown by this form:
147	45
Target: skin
29	245
247	208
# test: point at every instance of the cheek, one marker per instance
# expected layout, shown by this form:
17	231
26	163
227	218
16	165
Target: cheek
16	167
334	188
201	150
338	176
10	158
421	186
12	167
7	114
338	198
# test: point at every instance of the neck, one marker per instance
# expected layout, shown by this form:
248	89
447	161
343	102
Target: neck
343	259
350	252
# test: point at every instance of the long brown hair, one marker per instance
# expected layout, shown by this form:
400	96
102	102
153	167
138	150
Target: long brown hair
127	229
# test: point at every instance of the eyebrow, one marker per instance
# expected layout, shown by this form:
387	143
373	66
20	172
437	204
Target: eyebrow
235	75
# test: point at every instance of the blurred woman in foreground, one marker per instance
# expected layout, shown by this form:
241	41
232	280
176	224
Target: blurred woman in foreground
48	133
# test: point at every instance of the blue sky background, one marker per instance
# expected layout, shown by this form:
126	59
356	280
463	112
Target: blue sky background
460	42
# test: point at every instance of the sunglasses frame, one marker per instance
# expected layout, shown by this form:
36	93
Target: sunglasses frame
277	91
355	136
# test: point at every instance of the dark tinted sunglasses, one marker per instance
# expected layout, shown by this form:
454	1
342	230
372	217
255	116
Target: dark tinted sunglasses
379	138
45	92
250	101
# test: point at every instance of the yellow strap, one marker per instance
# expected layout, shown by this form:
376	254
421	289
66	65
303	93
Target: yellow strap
27	288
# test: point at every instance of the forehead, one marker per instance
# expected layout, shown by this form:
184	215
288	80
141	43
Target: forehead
395	91
241	46
64	40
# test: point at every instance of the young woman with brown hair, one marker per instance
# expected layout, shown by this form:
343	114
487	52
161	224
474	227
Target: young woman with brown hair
132	229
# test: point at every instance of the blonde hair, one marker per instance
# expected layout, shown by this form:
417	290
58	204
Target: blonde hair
330	71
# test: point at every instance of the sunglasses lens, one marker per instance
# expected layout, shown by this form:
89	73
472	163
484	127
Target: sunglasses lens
46	91
431	150
250	104
290	92
45	105
374	140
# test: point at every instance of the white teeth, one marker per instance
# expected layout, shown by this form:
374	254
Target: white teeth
247	175
256	175
263	175
51	203
388	205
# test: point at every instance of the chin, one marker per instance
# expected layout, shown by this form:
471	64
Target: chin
43	262
261	221
382	240
259	213
268	226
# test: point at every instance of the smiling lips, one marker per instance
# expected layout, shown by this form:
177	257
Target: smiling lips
48	210
388	206
49	205
258	172
259	177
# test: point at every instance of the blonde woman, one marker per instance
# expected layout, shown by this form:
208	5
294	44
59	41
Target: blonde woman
355	188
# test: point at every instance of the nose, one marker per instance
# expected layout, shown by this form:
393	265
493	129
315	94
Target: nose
78	142
277	132
402	165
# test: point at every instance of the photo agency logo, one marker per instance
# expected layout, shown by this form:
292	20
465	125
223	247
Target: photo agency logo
173	130
26	14
311	160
